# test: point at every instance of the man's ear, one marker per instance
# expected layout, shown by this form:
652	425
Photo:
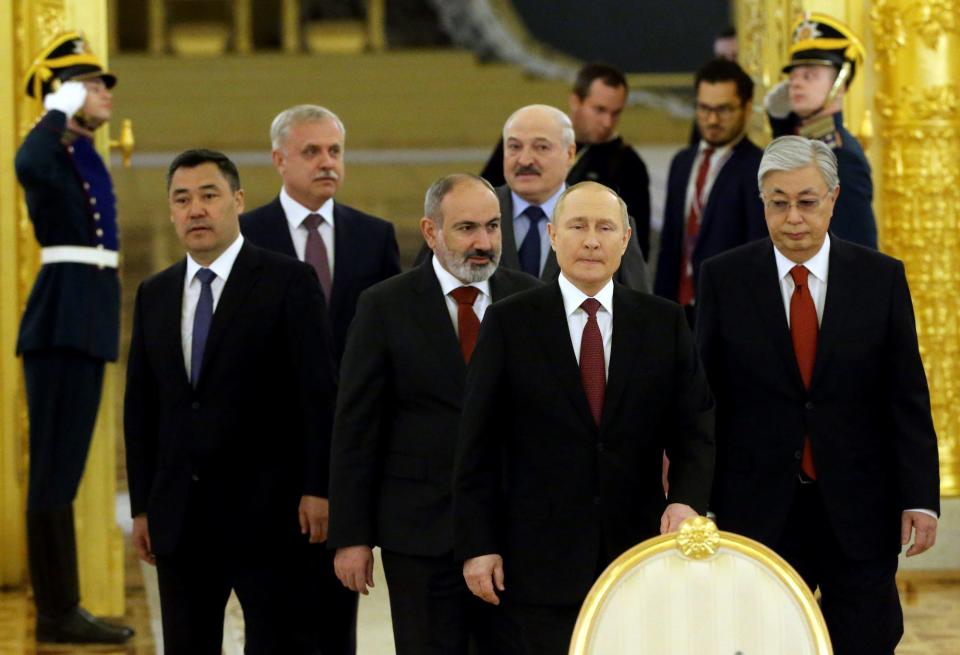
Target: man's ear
430	231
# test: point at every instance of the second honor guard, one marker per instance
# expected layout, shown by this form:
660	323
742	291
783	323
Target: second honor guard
824	57
71	323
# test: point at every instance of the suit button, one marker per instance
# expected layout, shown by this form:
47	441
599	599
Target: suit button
96	216
808	405
86	186
596	500
798	454
195	404
93	201
195	477
600	447
99	232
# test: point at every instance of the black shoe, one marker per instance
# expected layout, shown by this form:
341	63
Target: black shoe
78	626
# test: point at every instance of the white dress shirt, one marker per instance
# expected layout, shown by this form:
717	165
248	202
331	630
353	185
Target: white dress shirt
577	316
521	224
717	160
448	283
295	213
222	266
819	267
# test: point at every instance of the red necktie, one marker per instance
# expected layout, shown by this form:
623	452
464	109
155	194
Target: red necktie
315	253
468	325
804	331
685	291
593	375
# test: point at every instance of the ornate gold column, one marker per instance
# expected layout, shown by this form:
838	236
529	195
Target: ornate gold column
30	24
918	118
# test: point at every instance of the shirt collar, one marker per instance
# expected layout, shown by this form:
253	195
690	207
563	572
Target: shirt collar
574	297
295	212
448	282
818	265
520	205
222	265
719	151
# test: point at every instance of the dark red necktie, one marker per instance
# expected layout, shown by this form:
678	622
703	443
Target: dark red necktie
316	254
804	331
468	325
685	291
593	375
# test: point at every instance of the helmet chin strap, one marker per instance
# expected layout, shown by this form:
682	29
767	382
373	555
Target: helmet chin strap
838	85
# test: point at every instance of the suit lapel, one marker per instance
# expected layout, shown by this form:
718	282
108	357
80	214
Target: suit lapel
243	276
555	341
764	282
508	256
171	307
344	252
279	230
551	269
841	301
717	195
628	328
431	313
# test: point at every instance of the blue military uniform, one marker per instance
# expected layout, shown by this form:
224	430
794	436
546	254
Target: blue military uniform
69	329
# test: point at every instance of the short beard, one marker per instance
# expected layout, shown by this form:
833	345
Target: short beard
460	268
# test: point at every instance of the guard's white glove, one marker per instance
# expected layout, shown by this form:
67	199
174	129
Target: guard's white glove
69	98
777	100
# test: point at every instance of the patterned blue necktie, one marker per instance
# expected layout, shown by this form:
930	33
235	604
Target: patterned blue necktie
529	252
201	322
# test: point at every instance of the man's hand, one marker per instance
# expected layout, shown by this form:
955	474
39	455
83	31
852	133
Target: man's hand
69	98
354	567
314	516
926	531
484	576
141	540
674	515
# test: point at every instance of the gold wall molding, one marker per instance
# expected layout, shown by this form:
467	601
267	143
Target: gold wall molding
31	24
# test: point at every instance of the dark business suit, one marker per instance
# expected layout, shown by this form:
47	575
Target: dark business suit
538	482
632	272
365	252
217	469
732	214
867	414
392	458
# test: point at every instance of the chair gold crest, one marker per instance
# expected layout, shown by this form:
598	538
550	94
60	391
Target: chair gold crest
700	591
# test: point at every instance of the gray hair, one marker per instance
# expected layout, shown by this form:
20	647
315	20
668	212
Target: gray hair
301	114
788	153
562	120
624	215
439	190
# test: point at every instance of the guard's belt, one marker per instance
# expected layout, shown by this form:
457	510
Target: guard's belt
79	255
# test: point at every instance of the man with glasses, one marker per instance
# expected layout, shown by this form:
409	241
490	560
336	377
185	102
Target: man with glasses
823	59
712	203
826	450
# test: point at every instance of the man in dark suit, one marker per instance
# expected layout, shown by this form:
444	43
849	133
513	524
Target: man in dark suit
222	484
349	249
597	100
539	152
826	450
824	57
712	203
574	392
396	424
71	323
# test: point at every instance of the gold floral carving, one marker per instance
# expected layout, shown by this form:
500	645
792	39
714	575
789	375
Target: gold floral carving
929	19
698	538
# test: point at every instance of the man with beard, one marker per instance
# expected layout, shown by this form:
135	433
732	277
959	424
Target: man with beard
396	424
712	203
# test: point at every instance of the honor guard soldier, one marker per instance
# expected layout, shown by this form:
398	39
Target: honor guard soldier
824	56
70	327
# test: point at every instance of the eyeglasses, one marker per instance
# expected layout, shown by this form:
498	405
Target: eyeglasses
723	112
805	206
